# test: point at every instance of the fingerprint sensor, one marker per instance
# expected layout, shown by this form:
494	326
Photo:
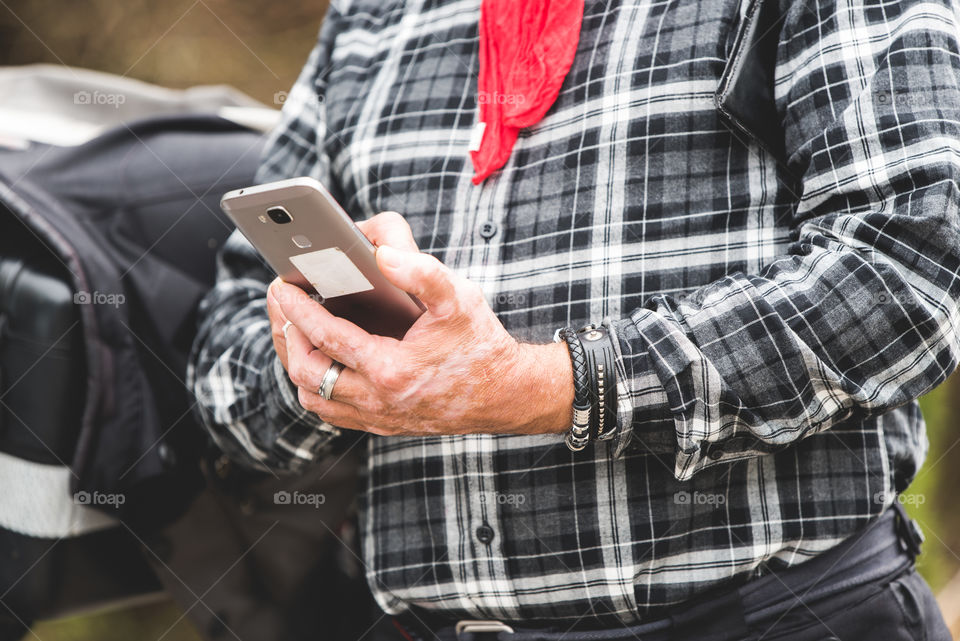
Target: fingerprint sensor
301	241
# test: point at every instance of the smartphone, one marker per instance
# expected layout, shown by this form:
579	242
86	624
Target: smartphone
310	241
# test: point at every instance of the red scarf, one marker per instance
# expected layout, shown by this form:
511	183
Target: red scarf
526	49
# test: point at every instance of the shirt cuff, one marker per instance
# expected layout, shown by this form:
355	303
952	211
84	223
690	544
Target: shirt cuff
301	434
621	436
645	421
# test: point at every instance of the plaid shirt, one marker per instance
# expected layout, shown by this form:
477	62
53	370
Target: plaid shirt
776	317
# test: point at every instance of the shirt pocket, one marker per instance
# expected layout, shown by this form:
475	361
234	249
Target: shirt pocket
745	95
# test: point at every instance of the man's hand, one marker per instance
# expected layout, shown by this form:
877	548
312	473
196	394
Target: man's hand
387	228
456	371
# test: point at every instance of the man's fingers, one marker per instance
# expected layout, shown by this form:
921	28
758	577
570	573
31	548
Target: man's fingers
419	274
334	336
389	228
340	414
277	322
308	365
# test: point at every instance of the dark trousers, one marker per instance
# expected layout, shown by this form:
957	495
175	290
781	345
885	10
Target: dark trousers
865	589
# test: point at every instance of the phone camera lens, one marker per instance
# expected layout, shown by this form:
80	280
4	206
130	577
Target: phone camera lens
279	215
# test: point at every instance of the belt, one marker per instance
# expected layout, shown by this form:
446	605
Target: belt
881	551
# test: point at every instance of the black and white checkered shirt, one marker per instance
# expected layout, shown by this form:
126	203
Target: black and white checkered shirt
776	318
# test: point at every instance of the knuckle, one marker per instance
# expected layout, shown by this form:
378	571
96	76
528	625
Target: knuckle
318	338
430	268
297	372
388	378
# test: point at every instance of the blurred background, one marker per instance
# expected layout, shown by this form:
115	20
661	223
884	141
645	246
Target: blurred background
258	46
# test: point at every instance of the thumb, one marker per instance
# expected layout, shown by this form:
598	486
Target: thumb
419	274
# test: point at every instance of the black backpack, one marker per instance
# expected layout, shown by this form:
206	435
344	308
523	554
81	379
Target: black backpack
105	251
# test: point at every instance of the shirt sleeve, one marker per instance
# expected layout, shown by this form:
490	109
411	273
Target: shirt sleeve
860	314
244	397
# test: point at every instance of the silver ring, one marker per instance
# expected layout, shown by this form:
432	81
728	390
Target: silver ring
329	380
286	326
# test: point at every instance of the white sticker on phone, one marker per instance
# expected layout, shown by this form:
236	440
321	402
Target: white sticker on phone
331	272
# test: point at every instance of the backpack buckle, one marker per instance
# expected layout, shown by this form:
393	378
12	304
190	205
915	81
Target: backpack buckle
911	536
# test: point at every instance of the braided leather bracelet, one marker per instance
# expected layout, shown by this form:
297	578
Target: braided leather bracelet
578	436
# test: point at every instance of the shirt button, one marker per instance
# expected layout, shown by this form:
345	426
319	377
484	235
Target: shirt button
488	229
716	453
485	534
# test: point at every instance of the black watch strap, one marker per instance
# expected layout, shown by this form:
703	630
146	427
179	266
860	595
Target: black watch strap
601	369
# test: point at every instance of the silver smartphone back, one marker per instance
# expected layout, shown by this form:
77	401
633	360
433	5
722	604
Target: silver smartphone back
310	241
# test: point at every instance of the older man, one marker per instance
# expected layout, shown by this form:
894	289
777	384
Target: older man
756	205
